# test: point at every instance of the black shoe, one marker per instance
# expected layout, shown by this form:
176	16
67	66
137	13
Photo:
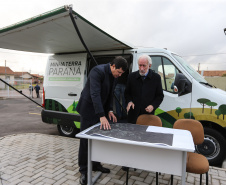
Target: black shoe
101	169
125	168
83	179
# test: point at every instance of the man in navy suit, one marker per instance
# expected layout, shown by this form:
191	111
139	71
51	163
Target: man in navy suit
143	91
95	105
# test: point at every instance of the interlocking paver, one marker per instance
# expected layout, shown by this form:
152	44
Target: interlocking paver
116	181
15	178
49	181
60	181
139	183
105	180
143	174
191	179
110	183
45	159
24	183
26	179
222	173
215	182
71	177
15	182
137	178
39	179
148	179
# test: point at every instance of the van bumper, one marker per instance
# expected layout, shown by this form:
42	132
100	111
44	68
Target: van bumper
60	118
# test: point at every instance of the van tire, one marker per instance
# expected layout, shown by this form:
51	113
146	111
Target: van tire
67	131
213	146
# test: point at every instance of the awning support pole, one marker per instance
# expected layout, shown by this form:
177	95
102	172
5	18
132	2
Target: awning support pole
20	92
80	36
87	49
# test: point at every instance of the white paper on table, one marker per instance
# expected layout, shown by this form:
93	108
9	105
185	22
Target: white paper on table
180	137
160	130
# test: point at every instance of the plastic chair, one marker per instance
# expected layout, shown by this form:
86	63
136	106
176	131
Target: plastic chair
196	163
150	120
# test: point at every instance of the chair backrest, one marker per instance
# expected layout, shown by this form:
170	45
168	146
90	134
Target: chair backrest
149	119
194	126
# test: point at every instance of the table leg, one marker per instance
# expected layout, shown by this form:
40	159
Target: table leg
184	168
89	163
127	175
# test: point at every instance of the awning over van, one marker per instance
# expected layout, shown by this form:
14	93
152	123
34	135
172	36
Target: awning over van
53	32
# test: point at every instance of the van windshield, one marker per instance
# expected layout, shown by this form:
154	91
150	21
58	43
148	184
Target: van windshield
190	69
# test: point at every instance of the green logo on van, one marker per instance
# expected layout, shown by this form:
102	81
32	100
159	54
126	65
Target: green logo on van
64	78
72	109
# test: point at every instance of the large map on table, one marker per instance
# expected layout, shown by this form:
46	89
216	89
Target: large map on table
132	132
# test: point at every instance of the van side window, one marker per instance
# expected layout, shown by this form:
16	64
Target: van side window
157	67
170	74
166	70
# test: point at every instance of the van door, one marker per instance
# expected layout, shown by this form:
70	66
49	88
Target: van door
63	83
174	106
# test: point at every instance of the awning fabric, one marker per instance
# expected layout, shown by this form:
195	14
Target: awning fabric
53	32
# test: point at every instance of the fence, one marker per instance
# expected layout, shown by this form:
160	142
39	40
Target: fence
21	85
219	82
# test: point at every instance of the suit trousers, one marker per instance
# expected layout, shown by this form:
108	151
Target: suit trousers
83	148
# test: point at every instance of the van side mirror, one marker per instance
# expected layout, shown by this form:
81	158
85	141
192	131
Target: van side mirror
183	85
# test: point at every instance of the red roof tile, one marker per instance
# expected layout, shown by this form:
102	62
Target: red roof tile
213	73
18	74
6	70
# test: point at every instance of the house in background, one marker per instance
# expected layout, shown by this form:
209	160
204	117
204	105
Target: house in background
6	74
36	78
22	76
18	78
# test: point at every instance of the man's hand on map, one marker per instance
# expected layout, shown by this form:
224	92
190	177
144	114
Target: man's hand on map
104	123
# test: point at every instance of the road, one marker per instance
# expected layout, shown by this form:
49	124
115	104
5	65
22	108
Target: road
20	115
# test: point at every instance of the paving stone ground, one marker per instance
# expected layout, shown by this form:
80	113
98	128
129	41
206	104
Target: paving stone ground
39	159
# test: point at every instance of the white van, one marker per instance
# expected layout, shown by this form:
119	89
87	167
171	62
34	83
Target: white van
186	93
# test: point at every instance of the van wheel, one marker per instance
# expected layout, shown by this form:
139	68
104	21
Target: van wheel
67	130
213	147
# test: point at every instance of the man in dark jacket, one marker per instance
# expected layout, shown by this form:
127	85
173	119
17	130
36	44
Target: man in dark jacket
37	88
95	105
143	91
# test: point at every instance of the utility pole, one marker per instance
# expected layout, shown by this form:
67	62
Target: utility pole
5	69
198	67
5	73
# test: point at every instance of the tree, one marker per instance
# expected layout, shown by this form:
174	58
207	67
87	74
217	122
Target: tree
211	104
222	108
178	110
224	75
203	101
187	115
218	113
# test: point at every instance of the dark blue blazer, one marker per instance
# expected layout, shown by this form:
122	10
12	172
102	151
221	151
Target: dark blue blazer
97	95
143	93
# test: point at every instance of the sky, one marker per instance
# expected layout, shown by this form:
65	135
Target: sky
191	28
